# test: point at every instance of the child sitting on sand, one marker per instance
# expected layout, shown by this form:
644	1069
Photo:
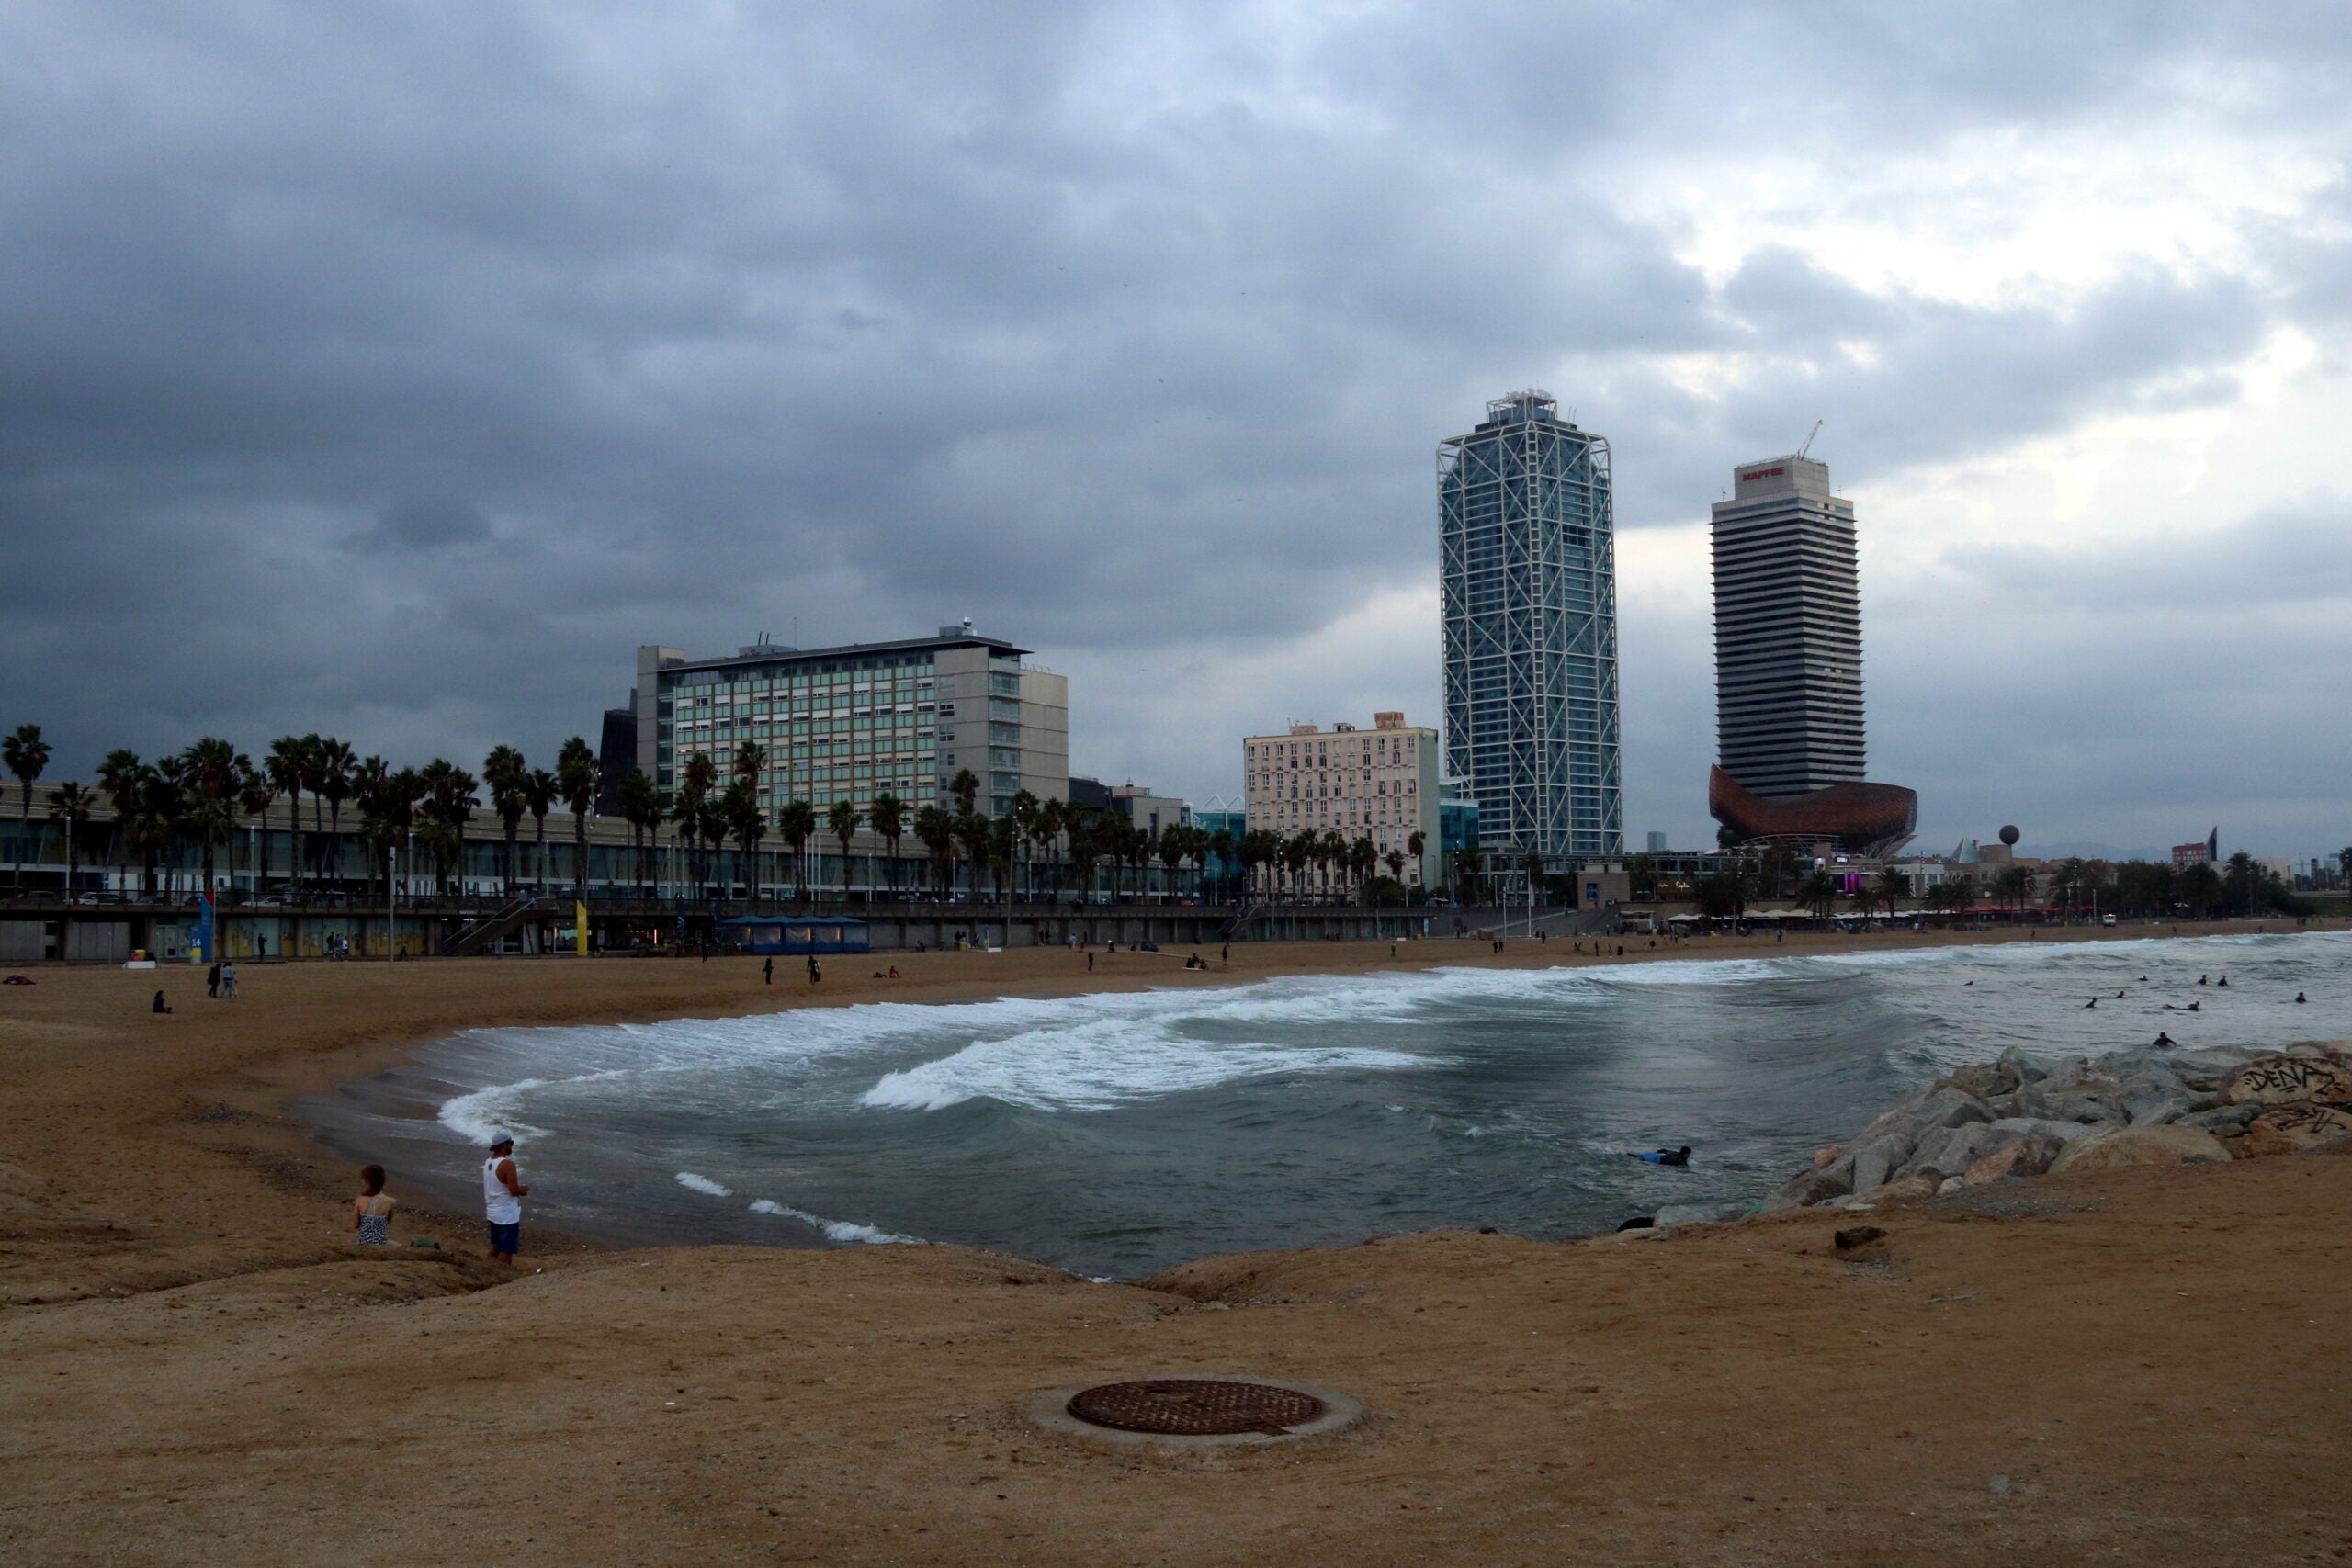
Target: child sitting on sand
371	1212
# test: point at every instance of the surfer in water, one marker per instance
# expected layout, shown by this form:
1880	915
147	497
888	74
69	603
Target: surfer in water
1663	1156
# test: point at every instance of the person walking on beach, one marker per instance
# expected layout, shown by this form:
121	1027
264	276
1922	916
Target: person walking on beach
229	981
212	980
815	973
1089	961
371	1212
501	1199
767	973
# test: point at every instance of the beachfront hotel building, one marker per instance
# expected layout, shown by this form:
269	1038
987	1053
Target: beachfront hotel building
1528	592
1379	784
1788	631
861	720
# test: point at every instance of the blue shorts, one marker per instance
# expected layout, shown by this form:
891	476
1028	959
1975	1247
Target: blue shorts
507	1239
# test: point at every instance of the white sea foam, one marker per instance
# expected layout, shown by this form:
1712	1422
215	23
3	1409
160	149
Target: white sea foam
1103	1063
704	1184
1691	972
835	1230
474	1117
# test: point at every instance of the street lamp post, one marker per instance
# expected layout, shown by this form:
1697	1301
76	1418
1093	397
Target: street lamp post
391	903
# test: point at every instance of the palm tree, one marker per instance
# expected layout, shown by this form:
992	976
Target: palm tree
575	774
71	804
26	755
287	767
1085	850
160	805
1298	853
331	781
972	832
210	773
1174	846
371	776
1397	867
749	825
1217	846
503	772
795	824
540	792
696	781
843	822
641	804
1020	814
965	788
119	778
935	831
1892	884
889	822
1415	842
1532	866
1818	893
450	801
750	761
253	796
1045	831
211	821
2013	884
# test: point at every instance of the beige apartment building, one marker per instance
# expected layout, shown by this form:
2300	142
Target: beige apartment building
1380	783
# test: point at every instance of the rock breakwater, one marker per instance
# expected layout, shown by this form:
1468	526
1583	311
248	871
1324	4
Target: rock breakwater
2023	1116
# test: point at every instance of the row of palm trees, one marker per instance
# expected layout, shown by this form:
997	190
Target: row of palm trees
200	796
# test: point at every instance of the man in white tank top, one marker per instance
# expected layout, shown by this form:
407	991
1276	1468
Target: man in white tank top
501	1199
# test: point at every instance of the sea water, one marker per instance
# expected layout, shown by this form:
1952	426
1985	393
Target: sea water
1115	1134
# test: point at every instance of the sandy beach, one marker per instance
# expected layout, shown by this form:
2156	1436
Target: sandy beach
199	1367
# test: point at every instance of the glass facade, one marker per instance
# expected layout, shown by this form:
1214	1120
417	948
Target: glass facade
1528	600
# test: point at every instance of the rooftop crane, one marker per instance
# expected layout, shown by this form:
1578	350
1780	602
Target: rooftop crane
1808	438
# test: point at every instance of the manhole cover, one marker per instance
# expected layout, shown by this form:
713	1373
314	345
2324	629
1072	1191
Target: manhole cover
1195	1407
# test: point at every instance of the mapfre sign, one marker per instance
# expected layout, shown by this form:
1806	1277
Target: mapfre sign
1762	474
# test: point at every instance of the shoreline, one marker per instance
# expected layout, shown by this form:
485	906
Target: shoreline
298	1085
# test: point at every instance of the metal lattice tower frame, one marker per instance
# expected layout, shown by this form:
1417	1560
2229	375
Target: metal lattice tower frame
1529	593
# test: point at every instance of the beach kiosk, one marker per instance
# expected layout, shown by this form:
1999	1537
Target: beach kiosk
798	933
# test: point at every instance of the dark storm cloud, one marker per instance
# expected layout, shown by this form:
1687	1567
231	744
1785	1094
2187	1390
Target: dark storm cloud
435	523
396	373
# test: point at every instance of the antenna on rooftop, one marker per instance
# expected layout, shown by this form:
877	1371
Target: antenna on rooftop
1808	438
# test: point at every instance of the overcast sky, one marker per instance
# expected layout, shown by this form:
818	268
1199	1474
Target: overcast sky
393	371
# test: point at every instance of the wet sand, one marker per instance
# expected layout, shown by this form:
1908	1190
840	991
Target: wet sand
197	1367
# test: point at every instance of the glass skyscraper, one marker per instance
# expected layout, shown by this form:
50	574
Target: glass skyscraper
1529	596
